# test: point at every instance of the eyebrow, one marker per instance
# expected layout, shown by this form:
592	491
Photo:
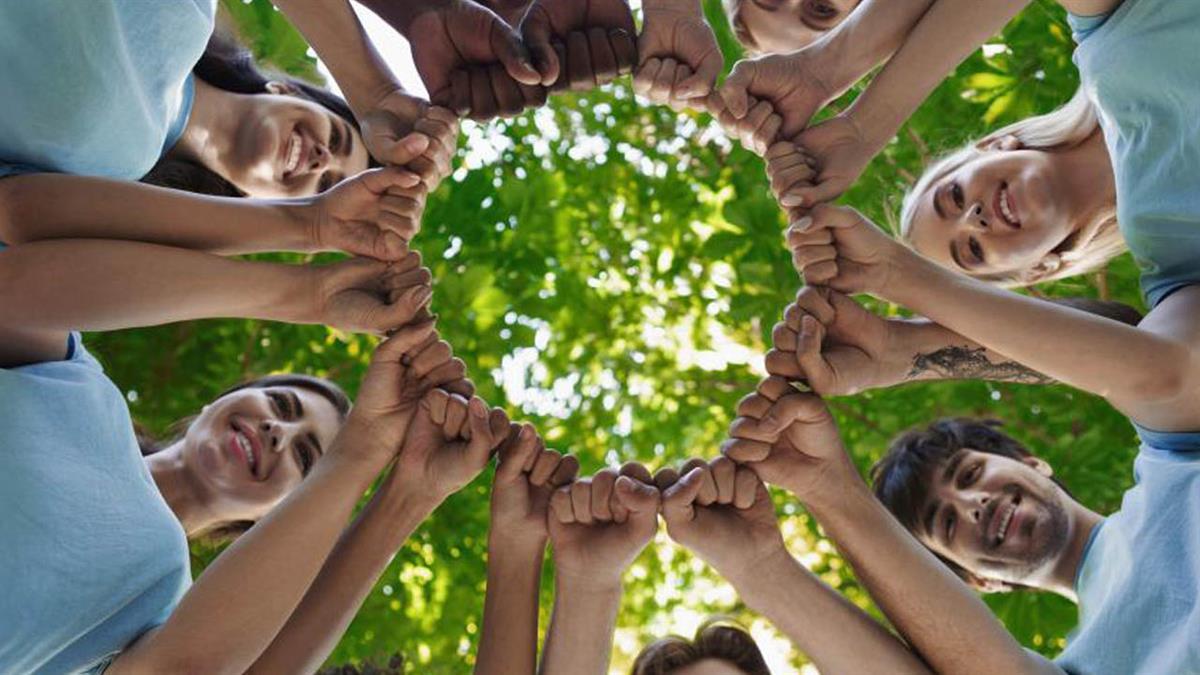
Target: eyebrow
348	138
297	407
316	443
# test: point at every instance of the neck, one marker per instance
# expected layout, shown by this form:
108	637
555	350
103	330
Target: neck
1061	577
210	136
1087	174
179	488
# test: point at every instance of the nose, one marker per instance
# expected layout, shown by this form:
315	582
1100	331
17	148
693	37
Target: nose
974	220
973	504
318	158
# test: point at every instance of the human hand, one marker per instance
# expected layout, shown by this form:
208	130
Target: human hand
580	43
837	347
756	131
358	295
678	56
526	476
394	117
789	168
840	151
723	513
373	214
598	525
472	62
836	246
448	443
795	84
790	439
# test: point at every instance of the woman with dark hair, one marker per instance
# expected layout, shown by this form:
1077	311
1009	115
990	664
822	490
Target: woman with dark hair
719	648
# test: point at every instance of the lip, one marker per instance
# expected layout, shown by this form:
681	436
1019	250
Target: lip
293	152
240	426
999	202
996	521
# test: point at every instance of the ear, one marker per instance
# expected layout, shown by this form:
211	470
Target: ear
1048	265
1039	465
281	88
1006	142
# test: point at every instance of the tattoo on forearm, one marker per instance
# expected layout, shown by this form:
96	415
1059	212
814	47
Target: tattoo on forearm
967	363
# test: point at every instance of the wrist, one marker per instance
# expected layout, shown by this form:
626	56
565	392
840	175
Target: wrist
689	7
843	488
591	583
757	582
302	217
514	541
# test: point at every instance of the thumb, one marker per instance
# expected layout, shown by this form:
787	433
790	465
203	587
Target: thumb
793	408
636	496
479	448
511	52
379	181
679	499
516	452
701	82
735	92
811	194
535	30
808	354
400	151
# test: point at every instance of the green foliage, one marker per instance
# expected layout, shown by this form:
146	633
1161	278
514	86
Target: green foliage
611	271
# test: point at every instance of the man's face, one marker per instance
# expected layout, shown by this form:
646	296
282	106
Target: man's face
1000	518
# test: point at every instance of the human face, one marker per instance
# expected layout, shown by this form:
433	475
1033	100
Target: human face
288	146
1002	213
710	667
999	518
780	26
253	446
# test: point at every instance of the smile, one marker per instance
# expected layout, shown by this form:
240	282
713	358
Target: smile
291	159
1002	519
1005	207
242	442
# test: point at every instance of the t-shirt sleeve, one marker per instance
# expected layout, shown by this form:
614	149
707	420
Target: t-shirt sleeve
1084	26
1169	441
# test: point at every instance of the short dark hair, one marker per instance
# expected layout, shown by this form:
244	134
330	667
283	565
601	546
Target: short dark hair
716	638
227	65
902	478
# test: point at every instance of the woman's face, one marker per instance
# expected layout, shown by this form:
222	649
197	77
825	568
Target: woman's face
710	667
1000	213
780	26
251	447
289	146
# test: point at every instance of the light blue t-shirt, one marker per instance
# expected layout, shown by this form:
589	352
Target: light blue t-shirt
1140	65
96	87
1139	582
91	557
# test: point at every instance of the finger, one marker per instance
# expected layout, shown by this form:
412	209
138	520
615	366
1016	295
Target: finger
745	488
735	91
784	364
624	47
580	73
708	488
783	338
723	470
643	79
432	356
561	506
826	190
604	61
752	429
509	101
774	388
796	237
754	119
785	180
660	90
421	277
564	79
511	52
483	100
674	101
804	256
701	82
535	30
464	387
518	450
753	406
446	373
456	414
566	471
817	370
820	274
486	433
581	500
639	498
665	477
679	500
436	402
795	408
815	301
403	340
766	133
743	451
533	96
543	468
602	494
460	92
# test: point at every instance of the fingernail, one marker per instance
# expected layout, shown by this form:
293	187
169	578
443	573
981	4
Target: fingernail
477	408
803	224
423	294
525	433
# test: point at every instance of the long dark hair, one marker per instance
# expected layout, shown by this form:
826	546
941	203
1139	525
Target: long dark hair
716	638
328	390
228	65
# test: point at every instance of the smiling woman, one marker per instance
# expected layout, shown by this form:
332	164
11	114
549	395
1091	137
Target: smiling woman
782	26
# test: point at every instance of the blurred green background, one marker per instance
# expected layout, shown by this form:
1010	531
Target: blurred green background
611	270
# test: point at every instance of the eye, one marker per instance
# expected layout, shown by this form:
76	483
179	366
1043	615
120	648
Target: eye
281	405
325	182
956	193
335	136
971	475
304	457
975	248
823	10
951	521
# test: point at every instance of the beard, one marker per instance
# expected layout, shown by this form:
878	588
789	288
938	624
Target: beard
1048	534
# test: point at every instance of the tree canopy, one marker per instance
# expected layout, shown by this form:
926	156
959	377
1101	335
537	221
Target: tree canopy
611	270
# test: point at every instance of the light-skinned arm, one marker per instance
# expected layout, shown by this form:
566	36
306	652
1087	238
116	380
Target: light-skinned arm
372	214
435	460
50	287
526	476
723	513
241	601
1149	372
598	526
790	439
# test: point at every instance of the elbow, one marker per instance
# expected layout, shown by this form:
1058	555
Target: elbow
1172	375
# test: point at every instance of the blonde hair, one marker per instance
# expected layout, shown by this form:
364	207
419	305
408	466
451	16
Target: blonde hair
1068	126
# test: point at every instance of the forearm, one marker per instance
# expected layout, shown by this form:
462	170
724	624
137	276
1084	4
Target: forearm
1129	366
43	206
869	36
355	564
334	31
940	617
399	14
945	35
96	285
508	643
579	640
837	636
929	351
243	599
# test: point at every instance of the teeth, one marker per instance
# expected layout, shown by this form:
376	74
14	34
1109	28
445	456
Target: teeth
1004	521
244	444
1006	207
293	158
